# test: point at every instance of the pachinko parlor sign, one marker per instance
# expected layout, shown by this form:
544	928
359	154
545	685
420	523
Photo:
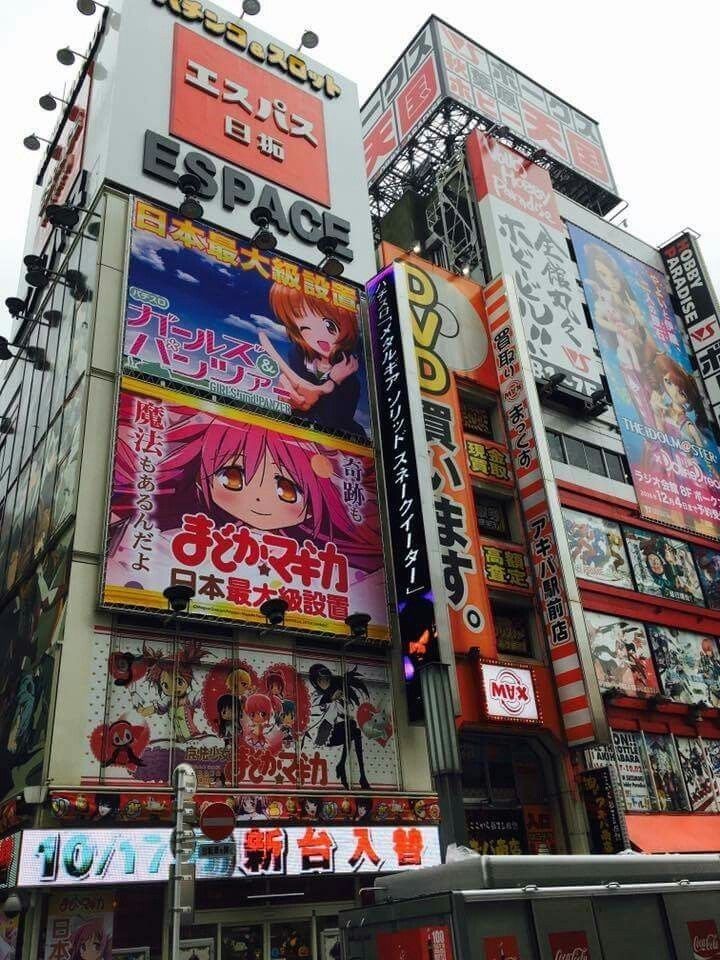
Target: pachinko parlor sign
242	509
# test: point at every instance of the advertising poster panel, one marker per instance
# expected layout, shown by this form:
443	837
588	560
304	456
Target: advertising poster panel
271	334
712	751
707	563
9	928
597	549
662	566
526	240
606	816
621	655
665	772
673	456
697	774
447	319
688	665
243	509
80	926
244	717
629	755
697	304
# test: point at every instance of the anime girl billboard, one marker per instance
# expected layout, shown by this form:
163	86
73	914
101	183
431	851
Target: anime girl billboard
244	510
272	334
673	455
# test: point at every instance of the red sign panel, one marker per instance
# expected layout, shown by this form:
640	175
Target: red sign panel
420	943
249	116
217	821
570	945
501	948
704	939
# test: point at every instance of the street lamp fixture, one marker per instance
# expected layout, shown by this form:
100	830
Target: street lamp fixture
178	596
66	56
49	101
274	611
330	265
264	238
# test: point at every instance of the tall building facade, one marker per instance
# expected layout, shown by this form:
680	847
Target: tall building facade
592	471
191	542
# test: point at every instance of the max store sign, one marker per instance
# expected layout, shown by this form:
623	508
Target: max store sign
509	692
91	857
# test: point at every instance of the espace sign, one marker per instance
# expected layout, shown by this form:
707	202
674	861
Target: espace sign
509	692
195	89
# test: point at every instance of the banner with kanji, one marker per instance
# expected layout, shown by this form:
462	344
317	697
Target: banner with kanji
243	510
210	312
79	924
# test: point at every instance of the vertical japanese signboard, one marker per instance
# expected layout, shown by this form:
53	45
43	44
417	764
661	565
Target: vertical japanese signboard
446	316
578	692
525	238
606	817
673	455
413	587
698	308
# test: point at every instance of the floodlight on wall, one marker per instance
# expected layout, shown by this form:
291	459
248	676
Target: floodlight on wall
16	307
250	8
358	623
189	184
549	386
417	248
274	611
88	7
264	238
66	56
309	40
538	155
500	132
34	355
330	265
33	141
178	596
48	101
6	425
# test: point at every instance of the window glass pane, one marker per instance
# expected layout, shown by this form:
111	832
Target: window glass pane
576	453
64	302
476	419
291	940
615	467
33	389
556	447
491	516
512	631
595	461
245	942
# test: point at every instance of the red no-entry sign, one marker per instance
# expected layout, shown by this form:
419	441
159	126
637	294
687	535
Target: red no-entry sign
217	821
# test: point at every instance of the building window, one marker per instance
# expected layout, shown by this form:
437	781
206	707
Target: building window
588	456
476	418
492	518
513	628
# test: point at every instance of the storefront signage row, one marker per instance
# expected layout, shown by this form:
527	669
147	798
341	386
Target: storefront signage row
92	857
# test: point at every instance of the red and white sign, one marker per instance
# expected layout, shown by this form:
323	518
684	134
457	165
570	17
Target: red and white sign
501	948
704	939
217	821
509	692
247	115
420	943
570	945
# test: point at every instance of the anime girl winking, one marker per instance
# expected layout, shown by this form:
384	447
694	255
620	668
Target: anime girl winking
172	681
320	376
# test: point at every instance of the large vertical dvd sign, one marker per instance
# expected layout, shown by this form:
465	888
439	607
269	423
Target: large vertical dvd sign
577	687
698	308
413	588
525	238
673	455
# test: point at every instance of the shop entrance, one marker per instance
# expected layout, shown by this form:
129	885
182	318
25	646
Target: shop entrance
290	938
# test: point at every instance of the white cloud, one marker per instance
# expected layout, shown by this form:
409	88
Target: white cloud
187	277
258	321
146	247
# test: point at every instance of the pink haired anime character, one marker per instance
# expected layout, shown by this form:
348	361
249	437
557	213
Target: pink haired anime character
90	941
252	476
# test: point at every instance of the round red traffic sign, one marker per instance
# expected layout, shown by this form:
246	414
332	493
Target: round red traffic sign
217	821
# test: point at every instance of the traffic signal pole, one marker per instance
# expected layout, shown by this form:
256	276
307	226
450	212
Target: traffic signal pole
182	873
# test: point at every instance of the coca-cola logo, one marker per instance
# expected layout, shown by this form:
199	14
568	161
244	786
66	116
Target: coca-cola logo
706	947
577	953
570	945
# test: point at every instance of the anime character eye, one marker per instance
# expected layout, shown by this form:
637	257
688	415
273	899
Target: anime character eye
287	490
231	478
330	325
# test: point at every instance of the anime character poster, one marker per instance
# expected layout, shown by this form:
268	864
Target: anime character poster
597	549
662	566
697	774
688	665
80	927
9	927
243	942
31	624
712	752
246	717
208	311
665	772
707	563
621	655
673	456
244	510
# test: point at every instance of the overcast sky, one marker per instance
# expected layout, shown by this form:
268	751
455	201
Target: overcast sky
647	72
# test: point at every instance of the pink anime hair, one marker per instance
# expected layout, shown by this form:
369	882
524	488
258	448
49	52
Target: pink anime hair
91	929
258	703
198	445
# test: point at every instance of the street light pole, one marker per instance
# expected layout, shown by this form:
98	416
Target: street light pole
182	873
443	752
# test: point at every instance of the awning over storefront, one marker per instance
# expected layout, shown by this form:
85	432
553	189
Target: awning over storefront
674	832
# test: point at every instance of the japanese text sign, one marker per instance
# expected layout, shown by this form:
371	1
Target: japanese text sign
565	628
488	460
606	817
210	312
242	509
673	455
505	568
242	112
94	857
697	306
